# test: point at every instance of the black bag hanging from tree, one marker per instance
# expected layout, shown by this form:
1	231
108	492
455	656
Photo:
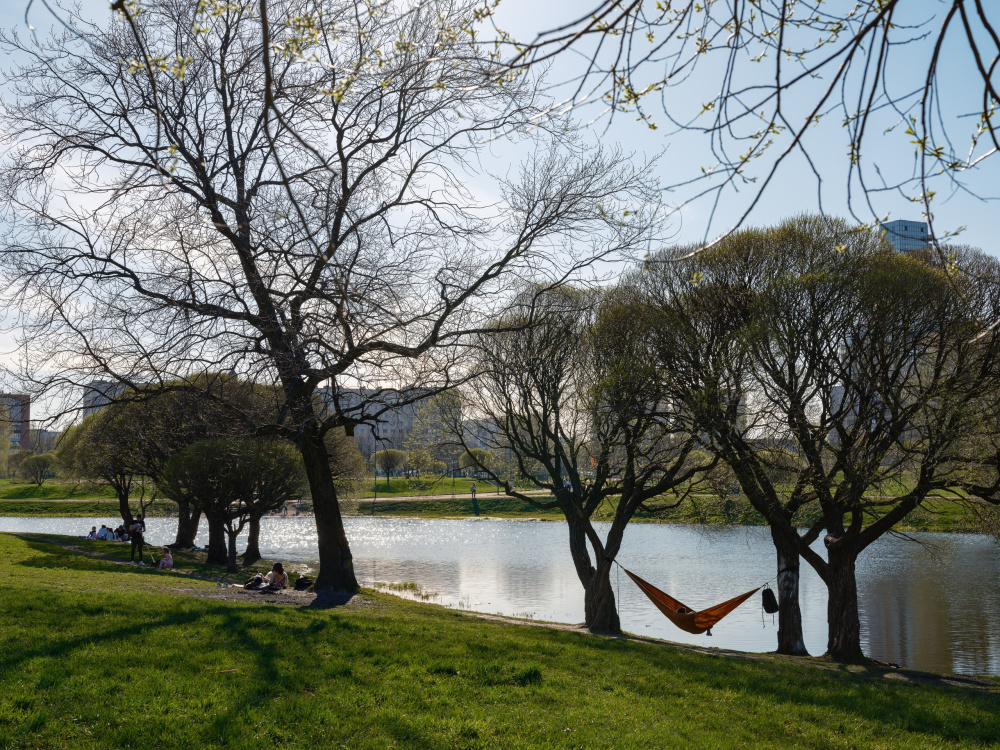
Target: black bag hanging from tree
770	603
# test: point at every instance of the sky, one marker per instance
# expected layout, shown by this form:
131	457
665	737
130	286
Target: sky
681	155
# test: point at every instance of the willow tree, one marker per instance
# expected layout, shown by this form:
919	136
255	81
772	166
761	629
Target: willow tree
571	404
284	190
866	371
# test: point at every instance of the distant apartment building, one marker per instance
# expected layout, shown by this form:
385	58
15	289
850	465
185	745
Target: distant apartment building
99	393
18	412
906	235
389	429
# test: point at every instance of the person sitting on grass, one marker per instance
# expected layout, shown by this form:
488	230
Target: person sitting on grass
92	534
277	578
166	562
120	535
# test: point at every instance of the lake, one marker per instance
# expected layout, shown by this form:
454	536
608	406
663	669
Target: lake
932	605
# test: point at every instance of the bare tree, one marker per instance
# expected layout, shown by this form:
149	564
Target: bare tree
756	77
864	371
282	191
570	400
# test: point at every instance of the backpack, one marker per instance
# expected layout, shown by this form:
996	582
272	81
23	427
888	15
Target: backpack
303	582
770	603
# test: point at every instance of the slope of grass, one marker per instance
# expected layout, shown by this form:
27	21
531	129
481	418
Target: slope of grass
78	509
52	491
424	485
447	507
94	654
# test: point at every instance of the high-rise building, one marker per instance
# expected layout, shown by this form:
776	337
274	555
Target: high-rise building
906	235
99	393
389	429
18	411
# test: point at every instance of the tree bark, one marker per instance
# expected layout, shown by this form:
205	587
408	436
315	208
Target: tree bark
252	553
231	565
790	640
600	611
216	541
578	549
123	509
187	525
844	641
336	563
600	608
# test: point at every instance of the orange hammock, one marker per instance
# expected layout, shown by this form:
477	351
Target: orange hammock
692	622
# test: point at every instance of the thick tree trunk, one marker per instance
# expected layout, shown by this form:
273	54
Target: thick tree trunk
600	612
336	564
579	551
844	642
216	541
231	565
790	640
187	526
124	511
600	608
252	553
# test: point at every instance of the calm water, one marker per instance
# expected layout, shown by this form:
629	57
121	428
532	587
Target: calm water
933	606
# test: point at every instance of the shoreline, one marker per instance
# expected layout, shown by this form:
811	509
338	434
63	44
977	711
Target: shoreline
434	509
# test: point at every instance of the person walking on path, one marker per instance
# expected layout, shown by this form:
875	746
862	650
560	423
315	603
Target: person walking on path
473	490
135	532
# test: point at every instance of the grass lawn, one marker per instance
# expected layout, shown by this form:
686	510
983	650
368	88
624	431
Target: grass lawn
52	491
426	485
96	654
447	507
78	508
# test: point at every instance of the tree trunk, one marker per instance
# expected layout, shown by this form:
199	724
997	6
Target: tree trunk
216	541
187	525
790	640
600	609
336	564
844	642
600	613
231	565
578	549
123	509
252	553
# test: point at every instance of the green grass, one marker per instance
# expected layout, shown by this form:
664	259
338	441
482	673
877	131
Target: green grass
52	491
94	654
78	509
446	507
424	485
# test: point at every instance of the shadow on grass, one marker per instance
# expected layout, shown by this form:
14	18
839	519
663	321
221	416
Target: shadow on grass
862	691
89	554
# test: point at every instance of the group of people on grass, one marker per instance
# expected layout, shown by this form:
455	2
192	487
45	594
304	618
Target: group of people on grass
134	535
276	579
107	534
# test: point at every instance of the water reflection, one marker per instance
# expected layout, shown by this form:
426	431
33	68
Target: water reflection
926	607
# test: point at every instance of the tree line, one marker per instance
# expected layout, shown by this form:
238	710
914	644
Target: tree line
215	197
183	448
837	383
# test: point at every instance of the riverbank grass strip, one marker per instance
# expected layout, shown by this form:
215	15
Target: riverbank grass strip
97	654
